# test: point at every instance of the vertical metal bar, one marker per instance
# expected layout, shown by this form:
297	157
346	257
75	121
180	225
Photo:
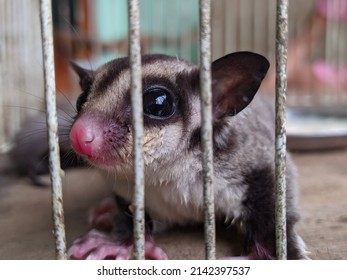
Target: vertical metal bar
137	118
206	127
2	78
52	125
280	157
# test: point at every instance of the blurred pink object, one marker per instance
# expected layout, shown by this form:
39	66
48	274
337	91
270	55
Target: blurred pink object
330	74
333	9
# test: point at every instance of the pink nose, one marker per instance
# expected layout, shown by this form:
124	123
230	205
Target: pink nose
83	138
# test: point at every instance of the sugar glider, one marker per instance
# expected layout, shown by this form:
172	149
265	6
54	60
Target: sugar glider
243	146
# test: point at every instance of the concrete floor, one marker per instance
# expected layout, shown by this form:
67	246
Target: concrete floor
26	227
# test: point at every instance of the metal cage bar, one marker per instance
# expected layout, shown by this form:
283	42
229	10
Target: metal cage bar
52	126
206	127
137	119
280	157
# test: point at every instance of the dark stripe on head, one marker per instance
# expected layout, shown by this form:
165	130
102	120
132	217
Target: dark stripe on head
115	67
111	71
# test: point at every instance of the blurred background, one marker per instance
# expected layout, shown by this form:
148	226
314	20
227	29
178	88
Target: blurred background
91	32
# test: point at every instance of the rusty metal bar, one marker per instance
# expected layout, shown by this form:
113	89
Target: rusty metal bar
206	127
52	126
137	118
280	157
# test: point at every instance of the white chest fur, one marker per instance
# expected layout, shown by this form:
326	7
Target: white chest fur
175	196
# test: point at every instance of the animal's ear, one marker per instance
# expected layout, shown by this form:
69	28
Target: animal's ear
236	78
85	76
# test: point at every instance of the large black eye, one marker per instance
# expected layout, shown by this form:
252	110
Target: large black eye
81	100
158	103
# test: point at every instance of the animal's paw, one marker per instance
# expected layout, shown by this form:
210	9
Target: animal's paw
96	245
